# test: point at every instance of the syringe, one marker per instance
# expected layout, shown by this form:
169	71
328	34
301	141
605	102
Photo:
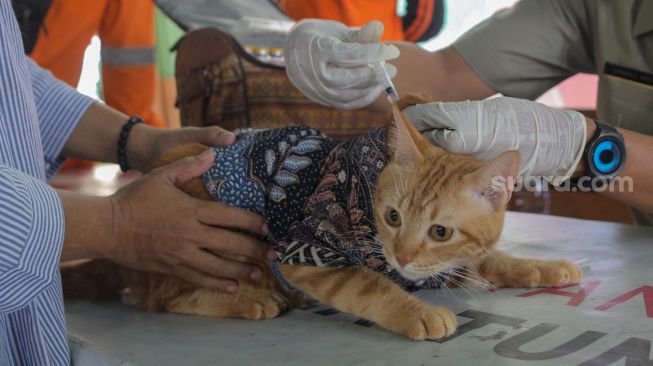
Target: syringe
390	92
389	88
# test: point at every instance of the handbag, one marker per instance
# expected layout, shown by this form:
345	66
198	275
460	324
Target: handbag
220	83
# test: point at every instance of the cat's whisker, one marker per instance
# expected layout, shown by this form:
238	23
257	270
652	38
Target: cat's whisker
462	272
447	275
465	284
446	287
471	281
451	277
454	271
491	288
481	284
478	278
474	278
473	274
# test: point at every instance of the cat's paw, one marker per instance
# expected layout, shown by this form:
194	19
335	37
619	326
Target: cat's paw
263	304
429	322
555	273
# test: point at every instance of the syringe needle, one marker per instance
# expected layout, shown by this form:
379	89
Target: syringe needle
389	87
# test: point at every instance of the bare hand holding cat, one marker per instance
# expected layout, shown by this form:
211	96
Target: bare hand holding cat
148	143
95	136
153	226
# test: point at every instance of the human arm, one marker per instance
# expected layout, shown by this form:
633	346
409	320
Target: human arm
151	225
73	125
96	135
437	69
521	51
551	141
31	235
330	63
638	169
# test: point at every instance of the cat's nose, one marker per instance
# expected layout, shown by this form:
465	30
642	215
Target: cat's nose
403	261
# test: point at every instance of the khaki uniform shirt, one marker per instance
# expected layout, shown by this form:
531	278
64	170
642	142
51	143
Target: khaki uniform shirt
527	49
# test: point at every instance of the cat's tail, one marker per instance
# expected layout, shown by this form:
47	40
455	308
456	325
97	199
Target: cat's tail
94	280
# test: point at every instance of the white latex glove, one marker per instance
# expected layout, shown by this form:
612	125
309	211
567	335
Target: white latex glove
329	62
551	141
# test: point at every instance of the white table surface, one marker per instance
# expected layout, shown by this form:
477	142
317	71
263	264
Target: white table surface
607	322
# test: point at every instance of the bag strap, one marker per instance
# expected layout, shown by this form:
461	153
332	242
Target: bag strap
30	15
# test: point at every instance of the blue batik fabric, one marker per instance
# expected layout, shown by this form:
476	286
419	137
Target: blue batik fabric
316	193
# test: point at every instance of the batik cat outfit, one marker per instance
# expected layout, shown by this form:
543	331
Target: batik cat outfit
315	192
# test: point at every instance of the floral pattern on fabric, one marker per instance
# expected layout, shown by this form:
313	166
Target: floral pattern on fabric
316	193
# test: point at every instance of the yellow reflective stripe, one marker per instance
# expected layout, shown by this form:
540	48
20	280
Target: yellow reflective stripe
132	56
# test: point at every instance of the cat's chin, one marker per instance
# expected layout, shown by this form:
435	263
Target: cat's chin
408	274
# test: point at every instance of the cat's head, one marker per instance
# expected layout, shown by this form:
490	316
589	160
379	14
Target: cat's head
435	209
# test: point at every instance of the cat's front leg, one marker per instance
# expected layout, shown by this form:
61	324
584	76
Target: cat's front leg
503	270
362	292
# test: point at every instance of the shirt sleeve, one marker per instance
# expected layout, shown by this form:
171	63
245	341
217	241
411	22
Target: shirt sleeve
525	50
31	237
59	108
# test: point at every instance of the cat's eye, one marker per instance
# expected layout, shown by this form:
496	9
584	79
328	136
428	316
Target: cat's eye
392	217
440	233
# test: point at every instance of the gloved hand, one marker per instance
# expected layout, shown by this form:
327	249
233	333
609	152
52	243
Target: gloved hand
329	62
551	141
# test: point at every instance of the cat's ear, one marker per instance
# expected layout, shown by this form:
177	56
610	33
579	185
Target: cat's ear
405	144
495	181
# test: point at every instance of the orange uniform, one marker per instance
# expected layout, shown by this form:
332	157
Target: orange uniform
422	18
126	29
350	12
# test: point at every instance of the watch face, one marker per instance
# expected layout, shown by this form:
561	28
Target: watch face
607	156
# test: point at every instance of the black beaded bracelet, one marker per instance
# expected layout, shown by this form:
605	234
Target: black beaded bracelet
122	141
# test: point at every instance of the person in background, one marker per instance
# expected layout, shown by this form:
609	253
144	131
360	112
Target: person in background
126	29
519	52
150	224
422	19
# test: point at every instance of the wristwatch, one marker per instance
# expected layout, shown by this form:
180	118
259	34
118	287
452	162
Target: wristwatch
604	156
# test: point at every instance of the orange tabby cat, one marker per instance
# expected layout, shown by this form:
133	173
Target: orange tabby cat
432	210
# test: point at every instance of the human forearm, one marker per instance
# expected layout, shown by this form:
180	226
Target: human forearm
634	185
96	137
330	64
72	125
31	233
89	223
443	75
153	226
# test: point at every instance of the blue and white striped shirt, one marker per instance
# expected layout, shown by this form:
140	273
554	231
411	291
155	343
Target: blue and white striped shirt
37	115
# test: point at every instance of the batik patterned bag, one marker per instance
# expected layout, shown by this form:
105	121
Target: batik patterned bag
219	83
